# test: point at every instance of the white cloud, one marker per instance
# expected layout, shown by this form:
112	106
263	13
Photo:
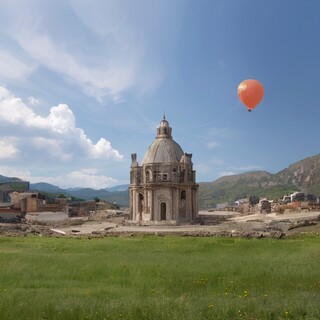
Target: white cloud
12	67
56	134
79	178
33	101
89	178
102	148
61	119
111	77
7	150
118	62
14	111
10	171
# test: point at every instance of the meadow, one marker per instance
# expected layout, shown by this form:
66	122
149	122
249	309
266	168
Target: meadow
152	277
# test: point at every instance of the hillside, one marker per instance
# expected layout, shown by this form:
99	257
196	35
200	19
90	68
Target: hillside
231	188
304	174
300	176
46	187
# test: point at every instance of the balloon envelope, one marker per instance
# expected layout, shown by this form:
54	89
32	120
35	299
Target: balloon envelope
250	92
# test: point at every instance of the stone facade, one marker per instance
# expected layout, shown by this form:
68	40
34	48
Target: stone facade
163	187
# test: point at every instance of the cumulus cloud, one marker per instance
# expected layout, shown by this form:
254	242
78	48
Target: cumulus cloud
56	134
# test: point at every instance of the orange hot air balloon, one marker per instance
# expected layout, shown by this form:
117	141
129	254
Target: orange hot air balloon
250	93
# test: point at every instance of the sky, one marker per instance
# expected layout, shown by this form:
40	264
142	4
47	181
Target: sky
83	84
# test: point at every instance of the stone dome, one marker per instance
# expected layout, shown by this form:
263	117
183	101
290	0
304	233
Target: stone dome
164	149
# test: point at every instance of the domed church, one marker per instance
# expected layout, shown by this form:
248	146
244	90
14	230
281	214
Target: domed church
163	187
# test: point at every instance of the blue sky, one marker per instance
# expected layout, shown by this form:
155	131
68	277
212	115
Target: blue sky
83	84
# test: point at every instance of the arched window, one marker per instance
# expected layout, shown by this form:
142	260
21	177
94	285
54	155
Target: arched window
183	195
163	211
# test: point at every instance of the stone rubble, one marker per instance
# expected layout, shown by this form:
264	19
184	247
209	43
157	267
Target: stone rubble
210	224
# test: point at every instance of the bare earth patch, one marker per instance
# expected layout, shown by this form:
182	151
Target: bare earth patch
217	223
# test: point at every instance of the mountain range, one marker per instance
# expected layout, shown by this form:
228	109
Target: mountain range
118	194
302	176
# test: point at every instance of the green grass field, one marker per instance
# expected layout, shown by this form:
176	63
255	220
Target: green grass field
153	277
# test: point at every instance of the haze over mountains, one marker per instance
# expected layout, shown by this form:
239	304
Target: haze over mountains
303	176
118	194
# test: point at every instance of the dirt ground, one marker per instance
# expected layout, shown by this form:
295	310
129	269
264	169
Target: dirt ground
116	223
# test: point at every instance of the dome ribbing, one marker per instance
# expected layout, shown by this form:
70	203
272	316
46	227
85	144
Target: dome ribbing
164	149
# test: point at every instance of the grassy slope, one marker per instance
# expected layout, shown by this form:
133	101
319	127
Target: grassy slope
159	278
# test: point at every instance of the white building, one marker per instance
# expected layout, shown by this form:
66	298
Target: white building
163	187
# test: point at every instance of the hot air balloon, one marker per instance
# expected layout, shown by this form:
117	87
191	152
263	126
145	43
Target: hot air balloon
250	93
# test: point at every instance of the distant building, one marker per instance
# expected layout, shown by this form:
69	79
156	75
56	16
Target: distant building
299	196
27	201
163	187
10	186
264	205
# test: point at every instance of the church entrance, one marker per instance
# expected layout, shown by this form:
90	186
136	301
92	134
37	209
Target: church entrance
163	211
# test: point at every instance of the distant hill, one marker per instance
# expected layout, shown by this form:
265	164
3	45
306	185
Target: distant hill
118	194
302	176
120	198
4	179
231	188
46	187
